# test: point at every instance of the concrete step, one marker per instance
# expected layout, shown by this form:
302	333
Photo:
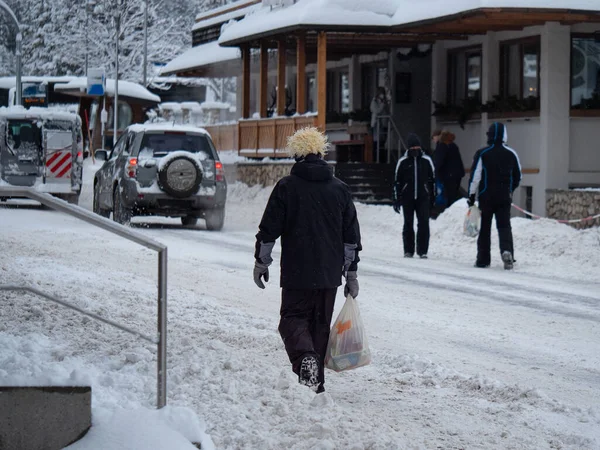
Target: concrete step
43	418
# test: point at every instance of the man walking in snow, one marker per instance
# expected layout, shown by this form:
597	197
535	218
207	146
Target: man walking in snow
414	193
495	174
313	213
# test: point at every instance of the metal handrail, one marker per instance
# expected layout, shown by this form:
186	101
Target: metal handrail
127	233
401	143
32	290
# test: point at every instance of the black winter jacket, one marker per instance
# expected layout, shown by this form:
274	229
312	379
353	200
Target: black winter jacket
496	170
314	214
448	163
415	177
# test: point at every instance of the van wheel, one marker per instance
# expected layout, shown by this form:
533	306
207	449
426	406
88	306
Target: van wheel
215	219
189	221
96	204
121	214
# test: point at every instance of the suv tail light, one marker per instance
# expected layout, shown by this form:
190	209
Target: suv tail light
131	167
219	171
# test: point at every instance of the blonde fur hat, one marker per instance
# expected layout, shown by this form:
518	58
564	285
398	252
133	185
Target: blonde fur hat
307	141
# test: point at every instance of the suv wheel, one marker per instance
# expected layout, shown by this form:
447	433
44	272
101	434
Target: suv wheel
215	219
180	177
189	220
121	214
96	203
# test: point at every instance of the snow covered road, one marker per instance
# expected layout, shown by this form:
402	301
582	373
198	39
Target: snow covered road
463	357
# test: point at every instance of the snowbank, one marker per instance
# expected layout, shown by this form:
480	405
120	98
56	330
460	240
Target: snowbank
170	428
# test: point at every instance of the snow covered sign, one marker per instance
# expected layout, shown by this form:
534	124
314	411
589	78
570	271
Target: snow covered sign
96	81
278	3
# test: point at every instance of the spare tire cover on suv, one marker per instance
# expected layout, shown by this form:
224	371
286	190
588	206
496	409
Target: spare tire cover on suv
180	176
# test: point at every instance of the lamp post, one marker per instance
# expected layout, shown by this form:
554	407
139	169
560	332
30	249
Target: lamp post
88	6
116	98
145	43
18	54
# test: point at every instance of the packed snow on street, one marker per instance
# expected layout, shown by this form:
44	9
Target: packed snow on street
462	358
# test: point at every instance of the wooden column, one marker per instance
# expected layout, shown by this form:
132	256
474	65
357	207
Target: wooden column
321	79
301	74
264	71
245	82
281	77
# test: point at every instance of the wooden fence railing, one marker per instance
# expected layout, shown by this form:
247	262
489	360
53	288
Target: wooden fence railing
268	137
225	137
259	137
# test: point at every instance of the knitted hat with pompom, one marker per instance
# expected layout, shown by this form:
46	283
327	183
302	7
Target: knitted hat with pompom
307	141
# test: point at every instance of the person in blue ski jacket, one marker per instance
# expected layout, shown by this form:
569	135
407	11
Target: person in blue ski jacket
495	174
414	193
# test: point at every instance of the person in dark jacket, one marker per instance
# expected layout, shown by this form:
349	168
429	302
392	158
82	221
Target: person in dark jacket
449	168
413	191
313	213
495	174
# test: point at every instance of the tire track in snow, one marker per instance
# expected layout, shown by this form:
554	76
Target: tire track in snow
516	293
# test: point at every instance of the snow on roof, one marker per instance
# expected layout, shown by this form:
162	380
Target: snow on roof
409	11
201	55
224	8
20	112
166	126
215	105
370	13
166	82
222	18
10	82
356	13
126	89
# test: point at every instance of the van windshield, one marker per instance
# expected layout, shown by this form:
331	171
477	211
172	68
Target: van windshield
164	143
24	135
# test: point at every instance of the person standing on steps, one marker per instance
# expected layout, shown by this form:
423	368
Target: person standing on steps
495	174
414	193
313	213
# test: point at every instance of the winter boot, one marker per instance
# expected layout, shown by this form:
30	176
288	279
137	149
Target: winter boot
408	255
507	259
309	372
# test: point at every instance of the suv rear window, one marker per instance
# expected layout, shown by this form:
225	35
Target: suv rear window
162	144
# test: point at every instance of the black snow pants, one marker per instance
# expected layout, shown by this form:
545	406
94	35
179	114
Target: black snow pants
451	191
501	210
410	206
305	323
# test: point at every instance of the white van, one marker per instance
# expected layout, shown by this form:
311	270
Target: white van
43	149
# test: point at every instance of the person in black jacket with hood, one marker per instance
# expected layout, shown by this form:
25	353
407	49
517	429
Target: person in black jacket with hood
413	191
495	174
313	213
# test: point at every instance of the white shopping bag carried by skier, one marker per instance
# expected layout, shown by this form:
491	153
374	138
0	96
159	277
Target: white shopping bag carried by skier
472	221
347	347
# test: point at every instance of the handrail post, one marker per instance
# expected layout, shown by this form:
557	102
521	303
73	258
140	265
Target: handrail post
161	396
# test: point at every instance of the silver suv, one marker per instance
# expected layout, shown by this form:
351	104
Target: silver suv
164	170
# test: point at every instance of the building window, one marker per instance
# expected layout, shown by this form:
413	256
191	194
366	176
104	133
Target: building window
464	75
585	72
125	116
345	92
520	69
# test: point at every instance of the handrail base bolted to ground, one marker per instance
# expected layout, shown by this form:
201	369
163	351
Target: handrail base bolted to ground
127	233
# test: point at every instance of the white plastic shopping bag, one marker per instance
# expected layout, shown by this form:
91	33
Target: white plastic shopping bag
472	221
347	347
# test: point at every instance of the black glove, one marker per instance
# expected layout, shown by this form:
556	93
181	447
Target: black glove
471	200
261	271
397	206
351	286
